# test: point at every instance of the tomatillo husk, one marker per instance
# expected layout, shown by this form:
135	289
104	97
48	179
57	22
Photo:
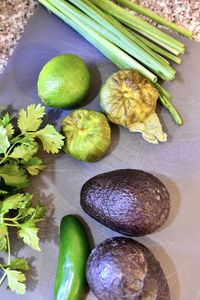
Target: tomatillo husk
129	100
87	133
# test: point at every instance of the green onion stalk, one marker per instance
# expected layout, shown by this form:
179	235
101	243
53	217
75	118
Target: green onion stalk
141	26
124	39
153	16
112	52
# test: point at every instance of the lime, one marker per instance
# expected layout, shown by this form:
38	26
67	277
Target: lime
64	81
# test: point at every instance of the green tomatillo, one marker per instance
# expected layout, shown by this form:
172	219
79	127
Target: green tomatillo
87	135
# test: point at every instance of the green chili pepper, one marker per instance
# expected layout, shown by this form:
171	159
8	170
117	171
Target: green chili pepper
70	282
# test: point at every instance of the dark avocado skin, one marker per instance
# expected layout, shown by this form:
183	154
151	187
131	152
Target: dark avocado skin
131	202
155	283
123	269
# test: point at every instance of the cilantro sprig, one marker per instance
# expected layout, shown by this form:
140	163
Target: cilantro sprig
19	146
18	151
16	211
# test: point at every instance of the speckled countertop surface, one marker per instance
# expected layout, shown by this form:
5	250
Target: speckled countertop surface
14	15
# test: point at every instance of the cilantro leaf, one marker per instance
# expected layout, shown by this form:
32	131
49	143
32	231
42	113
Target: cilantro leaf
28	233
16	281
35	214
39	212
24	151
5	120
3	192
25	140
34	165
26	212
3	240
31	118
15	201
4	144
19	264
51	139
3	243
13	175
3	230
10	130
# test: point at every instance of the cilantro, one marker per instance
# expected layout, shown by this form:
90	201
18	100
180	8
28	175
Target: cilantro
16	281
24	219
28	233
3	243
4	145
18	160
24	151
51	140
31	119
14	202
34	165
3	192
14	175
18	154
5	120
3	234
19	264
10	130
39	212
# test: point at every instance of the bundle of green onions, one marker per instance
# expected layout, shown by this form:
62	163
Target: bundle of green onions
121	37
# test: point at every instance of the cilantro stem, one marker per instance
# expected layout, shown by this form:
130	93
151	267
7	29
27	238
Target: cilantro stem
8	245
3	277
12	225
13	219
7	154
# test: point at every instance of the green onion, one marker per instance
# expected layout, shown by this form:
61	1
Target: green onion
150	14
163	91
64	11
125	40
136	23
170	107
158	49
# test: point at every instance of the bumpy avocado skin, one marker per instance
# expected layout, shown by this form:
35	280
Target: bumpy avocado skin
128	201
123	269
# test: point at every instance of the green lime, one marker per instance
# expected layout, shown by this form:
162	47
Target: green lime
64	81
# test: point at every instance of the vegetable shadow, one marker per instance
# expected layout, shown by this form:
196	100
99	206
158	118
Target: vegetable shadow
115	136
179	76
91	243
31	275
53	116
88	231
9	109
166	263
175	200
12	112
16	246
48	230
95	84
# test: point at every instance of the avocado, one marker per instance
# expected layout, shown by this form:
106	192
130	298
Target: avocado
131	202
123	269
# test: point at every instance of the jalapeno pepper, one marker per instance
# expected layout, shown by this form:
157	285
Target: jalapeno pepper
70	282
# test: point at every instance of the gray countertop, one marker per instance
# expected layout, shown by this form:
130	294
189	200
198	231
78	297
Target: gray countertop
15	14
176	163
